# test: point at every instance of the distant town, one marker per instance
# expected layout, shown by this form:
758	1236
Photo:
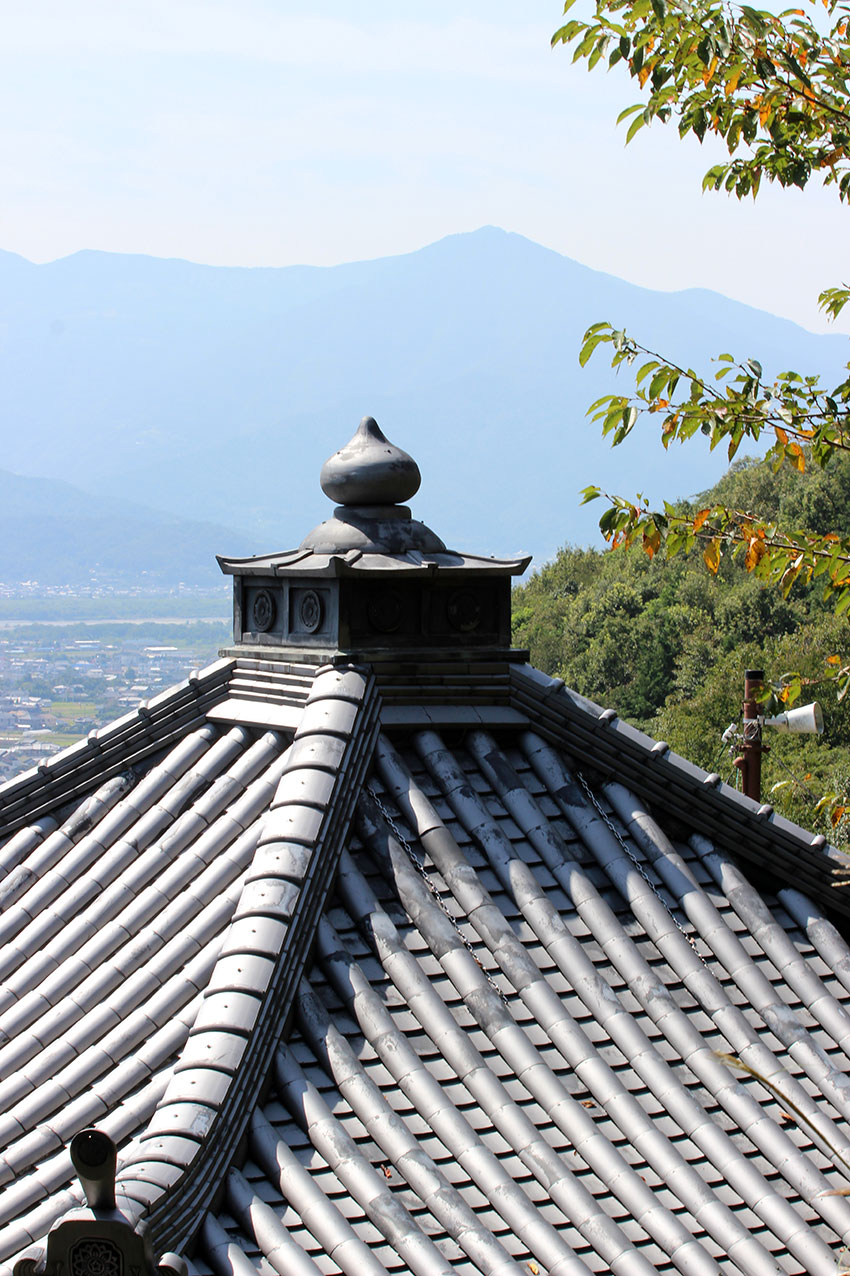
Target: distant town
61	678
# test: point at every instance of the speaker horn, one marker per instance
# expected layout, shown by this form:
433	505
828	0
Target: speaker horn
807	720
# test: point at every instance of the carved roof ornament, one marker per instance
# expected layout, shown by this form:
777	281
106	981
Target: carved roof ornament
371	577
370	532
103	1238
369	478
370	470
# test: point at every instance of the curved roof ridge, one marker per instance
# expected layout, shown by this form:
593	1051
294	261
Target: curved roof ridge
202	1114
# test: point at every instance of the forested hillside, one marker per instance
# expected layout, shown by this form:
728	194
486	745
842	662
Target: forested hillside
666	644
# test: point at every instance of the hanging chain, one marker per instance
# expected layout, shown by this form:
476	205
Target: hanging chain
421	870
612	828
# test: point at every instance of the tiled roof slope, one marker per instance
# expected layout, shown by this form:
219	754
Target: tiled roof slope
444	999
147	944
507	1063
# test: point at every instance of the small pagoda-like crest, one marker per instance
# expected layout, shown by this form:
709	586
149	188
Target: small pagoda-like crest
371	578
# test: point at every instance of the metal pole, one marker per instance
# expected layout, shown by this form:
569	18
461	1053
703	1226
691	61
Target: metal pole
751	749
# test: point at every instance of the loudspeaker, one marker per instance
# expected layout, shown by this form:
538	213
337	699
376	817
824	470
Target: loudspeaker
808	719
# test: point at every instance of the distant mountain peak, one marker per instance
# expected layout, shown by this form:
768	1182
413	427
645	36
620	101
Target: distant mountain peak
213	392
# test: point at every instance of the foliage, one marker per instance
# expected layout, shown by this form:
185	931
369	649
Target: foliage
666	646
773	88
806	424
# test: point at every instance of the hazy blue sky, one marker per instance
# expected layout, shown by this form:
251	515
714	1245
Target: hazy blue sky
268	132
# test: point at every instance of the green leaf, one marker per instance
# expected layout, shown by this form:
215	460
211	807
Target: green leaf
596	327
753	19
589	347
645	370
635	125
608	522
658	382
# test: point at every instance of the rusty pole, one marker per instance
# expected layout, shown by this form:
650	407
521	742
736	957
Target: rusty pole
749	763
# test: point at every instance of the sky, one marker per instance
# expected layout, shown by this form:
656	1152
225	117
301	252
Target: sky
272	133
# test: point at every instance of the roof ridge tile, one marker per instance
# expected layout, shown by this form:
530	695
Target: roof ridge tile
243	1050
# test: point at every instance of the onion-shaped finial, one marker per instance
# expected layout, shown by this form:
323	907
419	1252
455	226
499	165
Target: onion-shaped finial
370	470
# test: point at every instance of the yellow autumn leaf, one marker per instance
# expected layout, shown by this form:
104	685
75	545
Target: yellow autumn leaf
836	815
781	435
756	551
796	456
700	518
833	660
711	556
652	541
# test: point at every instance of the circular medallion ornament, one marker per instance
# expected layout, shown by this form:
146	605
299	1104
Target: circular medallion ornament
96	1257
310	611
464	610
262	611
385	611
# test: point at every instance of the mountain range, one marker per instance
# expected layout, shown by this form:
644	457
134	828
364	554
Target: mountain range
204	398
56	534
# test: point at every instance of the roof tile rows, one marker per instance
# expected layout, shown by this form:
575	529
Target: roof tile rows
447	997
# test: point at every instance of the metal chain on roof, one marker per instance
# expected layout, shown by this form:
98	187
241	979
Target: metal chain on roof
612	828
420	868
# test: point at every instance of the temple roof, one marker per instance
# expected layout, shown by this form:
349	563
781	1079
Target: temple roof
364	561
425	966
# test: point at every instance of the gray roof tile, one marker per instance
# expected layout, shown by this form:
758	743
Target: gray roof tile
504	1052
